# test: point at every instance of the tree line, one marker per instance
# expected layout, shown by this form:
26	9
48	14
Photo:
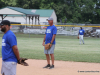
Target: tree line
70	11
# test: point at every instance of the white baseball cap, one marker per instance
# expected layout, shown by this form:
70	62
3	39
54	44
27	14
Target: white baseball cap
50	18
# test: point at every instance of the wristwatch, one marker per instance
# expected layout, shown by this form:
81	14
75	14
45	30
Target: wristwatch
50	43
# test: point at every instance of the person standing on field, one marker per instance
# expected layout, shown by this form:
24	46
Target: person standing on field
81	35
10	53
49	37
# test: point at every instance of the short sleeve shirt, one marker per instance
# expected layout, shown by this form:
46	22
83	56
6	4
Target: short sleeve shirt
8	41
50	31
81	32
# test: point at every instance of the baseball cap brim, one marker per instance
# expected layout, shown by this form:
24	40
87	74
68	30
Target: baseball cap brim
50	18
1	24
5	22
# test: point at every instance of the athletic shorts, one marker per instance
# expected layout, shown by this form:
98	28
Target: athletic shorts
8	68
49	51
81	37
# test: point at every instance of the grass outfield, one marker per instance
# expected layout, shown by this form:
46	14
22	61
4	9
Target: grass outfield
67	48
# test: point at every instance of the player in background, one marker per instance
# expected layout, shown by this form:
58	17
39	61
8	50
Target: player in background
81	35
10	53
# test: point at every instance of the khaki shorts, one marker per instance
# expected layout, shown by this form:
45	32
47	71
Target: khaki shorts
8	68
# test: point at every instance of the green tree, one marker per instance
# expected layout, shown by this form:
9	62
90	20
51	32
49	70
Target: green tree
96	18
9	2
28	4
76	11
2	4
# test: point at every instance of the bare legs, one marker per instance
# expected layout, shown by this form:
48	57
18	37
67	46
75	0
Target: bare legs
48	58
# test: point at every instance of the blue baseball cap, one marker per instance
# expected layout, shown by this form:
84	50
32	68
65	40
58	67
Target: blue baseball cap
5	22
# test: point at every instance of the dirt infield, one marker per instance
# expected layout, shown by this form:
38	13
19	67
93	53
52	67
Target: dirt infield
61	68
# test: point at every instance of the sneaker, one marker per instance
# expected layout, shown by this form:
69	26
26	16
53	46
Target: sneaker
47	66
51	67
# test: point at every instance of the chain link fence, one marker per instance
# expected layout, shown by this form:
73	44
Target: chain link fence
68	29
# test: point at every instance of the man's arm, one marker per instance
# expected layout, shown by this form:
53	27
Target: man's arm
78	33
16	52
53	38
84	33
44	40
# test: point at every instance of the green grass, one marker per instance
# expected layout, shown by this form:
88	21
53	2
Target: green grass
67	48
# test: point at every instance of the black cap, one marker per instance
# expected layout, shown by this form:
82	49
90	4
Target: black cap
5	22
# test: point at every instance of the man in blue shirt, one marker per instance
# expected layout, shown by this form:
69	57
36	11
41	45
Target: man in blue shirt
10	53
49	37
81	34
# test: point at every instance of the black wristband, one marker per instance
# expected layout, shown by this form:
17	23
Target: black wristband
50	43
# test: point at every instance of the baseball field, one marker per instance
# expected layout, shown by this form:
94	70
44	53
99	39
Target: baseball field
70	57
